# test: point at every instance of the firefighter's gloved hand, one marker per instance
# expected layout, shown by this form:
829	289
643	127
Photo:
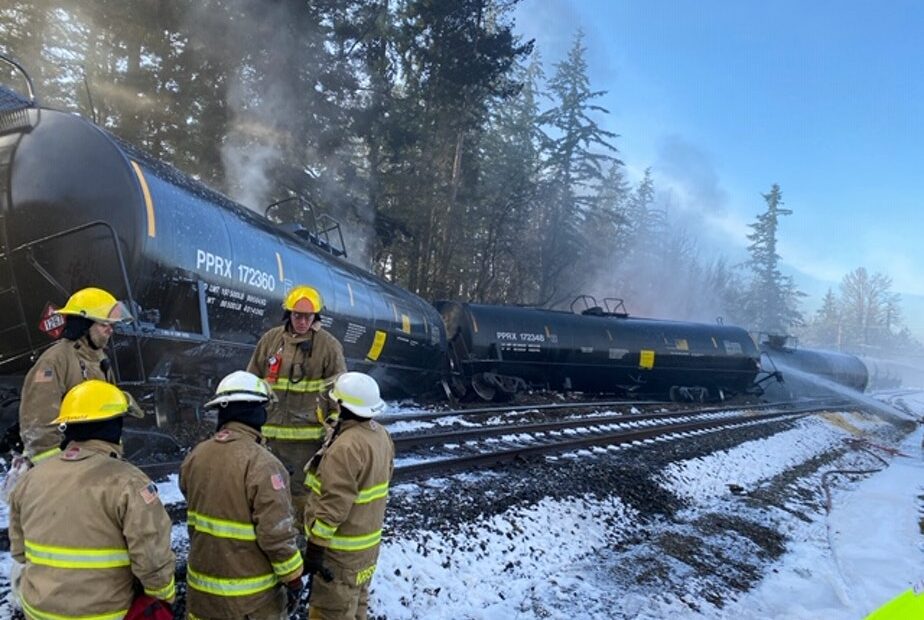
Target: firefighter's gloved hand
19	466
314	559
15	581
294	590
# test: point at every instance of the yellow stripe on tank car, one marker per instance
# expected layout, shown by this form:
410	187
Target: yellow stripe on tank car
377	344
148	203
282	273
646	359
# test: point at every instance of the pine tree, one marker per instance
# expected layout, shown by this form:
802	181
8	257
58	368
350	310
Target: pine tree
578	151
825	328
772	302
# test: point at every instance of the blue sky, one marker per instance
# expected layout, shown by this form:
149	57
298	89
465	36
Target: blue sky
724	98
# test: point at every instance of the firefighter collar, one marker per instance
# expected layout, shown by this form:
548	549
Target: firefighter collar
232	431
80	450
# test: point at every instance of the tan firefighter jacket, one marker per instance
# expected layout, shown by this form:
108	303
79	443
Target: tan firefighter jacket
307	367
85	522
65	364
242	536
349	487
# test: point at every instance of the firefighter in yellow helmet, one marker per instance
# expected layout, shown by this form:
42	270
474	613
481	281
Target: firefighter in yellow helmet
299	360
243	557
86	523
348	480
79	355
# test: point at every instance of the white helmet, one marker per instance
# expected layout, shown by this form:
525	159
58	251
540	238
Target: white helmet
359	393
240	387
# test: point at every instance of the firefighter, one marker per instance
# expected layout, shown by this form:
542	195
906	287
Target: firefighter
79	355
299	360
243	558
86	523
348	480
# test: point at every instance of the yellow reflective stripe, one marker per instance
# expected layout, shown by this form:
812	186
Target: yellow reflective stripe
75	557
371	494
290	565
356	543
313	483
41	456
295	433
168	591
343	543
37	614
220	528
229	586
365	496
365	575
350	400
301	387
322	529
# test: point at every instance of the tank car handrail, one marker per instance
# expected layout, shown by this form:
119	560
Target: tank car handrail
28	79
316	235
584	298
125	281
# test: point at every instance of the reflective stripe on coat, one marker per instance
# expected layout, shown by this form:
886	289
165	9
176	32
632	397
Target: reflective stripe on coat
302	384
86	523
349	489
242	537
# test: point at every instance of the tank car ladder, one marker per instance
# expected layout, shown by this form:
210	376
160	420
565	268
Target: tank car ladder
16	118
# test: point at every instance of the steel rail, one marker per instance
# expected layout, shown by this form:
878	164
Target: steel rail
430	468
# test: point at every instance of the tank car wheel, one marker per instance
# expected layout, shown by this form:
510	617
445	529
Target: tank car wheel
484	389
457	387
166	407
675	395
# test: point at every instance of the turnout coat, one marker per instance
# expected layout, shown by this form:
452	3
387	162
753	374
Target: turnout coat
86	523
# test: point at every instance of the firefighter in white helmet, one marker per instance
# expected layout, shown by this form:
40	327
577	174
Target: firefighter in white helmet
348	480
299	360
243	560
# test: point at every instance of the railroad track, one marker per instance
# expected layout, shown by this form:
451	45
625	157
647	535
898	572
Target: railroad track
552	437
586	418
569	435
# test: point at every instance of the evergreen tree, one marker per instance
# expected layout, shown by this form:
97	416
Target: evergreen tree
501	269
578	151
772	302
825	328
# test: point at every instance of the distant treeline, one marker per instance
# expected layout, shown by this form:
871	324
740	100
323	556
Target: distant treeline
460	165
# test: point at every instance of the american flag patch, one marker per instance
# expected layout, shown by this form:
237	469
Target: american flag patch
44	375
278	483
149	493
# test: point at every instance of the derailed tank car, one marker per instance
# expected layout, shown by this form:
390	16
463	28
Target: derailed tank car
205	276
496	350
811	372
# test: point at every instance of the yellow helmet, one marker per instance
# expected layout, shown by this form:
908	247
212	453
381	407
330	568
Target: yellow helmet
303	299
92	401
97	305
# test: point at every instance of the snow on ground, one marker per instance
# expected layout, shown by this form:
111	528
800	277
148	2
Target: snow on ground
555	559
734	550
505	561
748	464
